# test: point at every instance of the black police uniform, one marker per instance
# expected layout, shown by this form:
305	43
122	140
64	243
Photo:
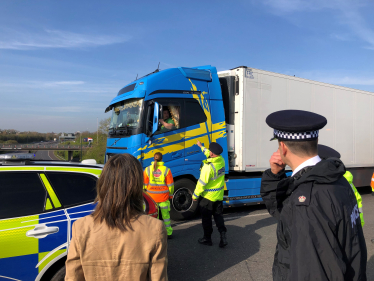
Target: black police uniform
319	231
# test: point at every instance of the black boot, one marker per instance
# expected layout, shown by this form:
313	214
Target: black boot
205	241
223	241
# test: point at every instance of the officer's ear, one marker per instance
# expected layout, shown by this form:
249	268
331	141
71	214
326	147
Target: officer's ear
283	149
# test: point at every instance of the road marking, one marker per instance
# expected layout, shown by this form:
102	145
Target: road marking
48	155
225	218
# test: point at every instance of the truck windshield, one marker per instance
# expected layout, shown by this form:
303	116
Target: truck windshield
126	116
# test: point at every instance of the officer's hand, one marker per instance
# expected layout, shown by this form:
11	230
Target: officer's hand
194	200
276	163
199	144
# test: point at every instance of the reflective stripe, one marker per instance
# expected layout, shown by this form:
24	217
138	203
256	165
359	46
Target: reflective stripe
204	150
166	172
166	220
168	225
195	195
214	189
149	171
157	192
214	169
203	183
166	207
157	184
168	185
360	209
50	191
219	175
96	172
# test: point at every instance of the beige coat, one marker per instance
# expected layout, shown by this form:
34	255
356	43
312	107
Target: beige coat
99	253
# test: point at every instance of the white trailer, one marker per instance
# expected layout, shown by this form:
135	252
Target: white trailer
258	93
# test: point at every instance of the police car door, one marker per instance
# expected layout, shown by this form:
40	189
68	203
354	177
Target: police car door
33	225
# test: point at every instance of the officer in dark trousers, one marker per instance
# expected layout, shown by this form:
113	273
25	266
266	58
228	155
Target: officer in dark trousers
210	187
319	230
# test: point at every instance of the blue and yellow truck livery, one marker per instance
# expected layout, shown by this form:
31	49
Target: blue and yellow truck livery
198	103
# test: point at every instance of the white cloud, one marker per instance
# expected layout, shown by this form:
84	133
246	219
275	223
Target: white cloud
341	36
348	13
21	40
291	6
61	83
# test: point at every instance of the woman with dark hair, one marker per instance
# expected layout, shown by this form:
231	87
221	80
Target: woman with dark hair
159	184
118	241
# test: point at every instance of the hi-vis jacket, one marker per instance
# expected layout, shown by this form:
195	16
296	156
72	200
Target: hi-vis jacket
159	184
211	183
349	177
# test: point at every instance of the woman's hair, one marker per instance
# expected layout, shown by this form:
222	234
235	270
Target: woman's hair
119	192
157	157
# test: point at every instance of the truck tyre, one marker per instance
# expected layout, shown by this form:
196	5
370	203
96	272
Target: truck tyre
60	275
182	205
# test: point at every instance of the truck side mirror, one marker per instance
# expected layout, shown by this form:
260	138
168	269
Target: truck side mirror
155	117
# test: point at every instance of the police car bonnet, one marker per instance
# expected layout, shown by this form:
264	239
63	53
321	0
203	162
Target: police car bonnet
295	125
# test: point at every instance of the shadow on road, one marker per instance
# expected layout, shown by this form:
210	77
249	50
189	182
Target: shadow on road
370	265
189	260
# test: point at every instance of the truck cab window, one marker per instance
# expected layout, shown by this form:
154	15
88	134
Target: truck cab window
126	116
170	119
194	112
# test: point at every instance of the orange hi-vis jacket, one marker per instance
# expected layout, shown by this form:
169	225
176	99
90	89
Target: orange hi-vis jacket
159	184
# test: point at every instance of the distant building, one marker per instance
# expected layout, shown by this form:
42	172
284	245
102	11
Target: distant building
66	137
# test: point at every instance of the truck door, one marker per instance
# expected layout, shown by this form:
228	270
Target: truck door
169	138
198	127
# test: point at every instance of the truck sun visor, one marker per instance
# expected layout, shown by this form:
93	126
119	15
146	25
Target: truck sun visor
194	73
109	108
128	88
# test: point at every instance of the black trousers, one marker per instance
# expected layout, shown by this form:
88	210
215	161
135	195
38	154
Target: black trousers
209	209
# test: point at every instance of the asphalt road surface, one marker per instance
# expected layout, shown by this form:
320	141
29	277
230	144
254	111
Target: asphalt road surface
45	155
249	254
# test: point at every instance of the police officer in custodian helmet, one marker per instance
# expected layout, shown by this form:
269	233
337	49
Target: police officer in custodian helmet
319	230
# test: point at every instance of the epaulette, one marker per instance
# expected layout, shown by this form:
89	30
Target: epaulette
302	194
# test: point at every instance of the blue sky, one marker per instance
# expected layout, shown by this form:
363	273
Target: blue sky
62	62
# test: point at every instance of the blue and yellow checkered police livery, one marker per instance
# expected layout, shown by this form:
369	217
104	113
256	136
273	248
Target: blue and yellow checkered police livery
31	244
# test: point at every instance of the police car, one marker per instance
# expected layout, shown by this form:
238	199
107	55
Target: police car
39	201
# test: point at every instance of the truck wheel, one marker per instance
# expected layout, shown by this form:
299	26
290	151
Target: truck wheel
182	205
60	275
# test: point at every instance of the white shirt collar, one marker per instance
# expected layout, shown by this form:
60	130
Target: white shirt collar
310	162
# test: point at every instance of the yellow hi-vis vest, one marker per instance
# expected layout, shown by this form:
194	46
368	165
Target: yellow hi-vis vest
211	183
158	183
349	177
372	184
